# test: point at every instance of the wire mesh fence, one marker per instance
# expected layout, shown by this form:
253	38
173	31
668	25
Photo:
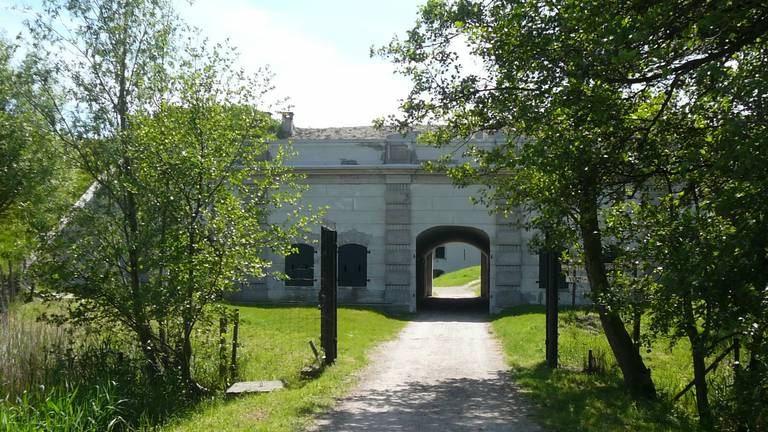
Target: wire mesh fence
274	341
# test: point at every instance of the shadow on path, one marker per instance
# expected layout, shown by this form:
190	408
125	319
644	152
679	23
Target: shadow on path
453	309
457	404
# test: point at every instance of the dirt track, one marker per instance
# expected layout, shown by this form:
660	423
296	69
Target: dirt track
462	291
444	373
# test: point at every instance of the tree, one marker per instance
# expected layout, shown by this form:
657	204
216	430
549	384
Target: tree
27	152
566	157
204	162
707	234
112	59
171	134
632	126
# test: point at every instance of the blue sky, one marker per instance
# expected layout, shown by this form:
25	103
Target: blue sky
318	50
348	24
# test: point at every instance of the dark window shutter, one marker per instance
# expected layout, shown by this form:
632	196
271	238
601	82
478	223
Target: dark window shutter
353	265
300	266
440	252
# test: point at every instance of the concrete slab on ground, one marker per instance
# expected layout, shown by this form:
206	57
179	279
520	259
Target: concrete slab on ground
244	387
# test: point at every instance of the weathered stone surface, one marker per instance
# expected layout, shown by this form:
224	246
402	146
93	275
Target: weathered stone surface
398	278
398	236
360	295
508	237
508	258
398	215
398	294
508	296
397	196
508	275
398	256
245	387
399	153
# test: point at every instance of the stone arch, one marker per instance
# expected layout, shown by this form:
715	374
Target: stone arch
429	239
354	236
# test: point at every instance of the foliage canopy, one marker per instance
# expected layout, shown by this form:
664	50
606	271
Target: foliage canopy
170	132
632	127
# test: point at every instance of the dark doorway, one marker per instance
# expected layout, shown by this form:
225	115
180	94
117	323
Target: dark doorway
426	244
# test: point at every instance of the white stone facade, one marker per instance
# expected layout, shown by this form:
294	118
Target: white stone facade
456	256
377	195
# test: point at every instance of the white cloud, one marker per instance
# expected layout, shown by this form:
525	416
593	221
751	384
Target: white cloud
326	86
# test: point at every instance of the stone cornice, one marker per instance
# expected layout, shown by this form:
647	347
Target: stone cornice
361	169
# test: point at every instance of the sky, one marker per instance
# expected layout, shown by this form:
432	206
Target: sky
317	49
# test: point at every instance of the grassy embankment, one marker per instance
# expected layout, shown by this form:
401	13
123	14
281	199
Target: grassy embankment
42	379
459	278
275	347
568	399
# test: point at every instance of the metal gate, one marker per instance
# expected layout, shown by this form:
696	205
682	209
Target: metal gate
328	318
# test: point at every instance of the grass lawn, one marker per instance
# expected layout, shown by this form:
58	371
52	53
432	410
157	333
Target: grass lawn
457	278
274	346
570	400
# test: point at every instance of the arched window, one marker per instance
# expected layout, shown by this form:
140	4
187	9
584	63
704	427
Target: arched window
300	266
353	265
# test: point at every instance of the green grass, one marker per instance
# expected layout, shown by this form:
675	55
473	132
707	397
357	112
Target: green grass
64	409
58	378
274	346
570	400
458	277
83	384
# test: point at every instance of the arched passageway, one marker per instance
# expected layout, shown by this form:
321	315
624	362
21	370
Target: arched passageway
431	238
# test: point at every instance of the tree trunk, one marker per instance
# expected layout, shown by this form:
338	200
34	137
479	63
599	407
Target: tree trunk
637	377
185	364
700	378
698	354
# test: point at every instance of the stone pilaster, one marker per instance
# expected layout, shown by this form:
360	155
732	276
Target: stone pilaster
397	240
508	262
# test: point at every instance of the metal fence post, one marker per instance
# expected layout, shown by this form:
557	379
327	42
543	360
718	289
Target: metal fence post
328	282
235	328
549	278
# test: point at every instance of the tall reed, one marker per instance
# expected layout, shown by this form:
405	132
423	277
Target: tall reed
29	350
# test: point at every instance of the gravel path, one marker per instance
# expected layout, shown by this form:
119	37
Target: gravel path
461	291
444	373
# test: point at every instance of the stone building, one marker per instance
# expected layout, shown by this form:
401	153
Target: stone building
450	257
390	216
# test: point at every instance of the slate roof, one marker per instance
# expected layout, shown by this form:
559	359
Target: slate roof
342	133
365	133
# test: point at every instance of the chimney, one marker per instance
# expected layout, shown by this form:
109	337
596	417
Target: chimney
286	126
